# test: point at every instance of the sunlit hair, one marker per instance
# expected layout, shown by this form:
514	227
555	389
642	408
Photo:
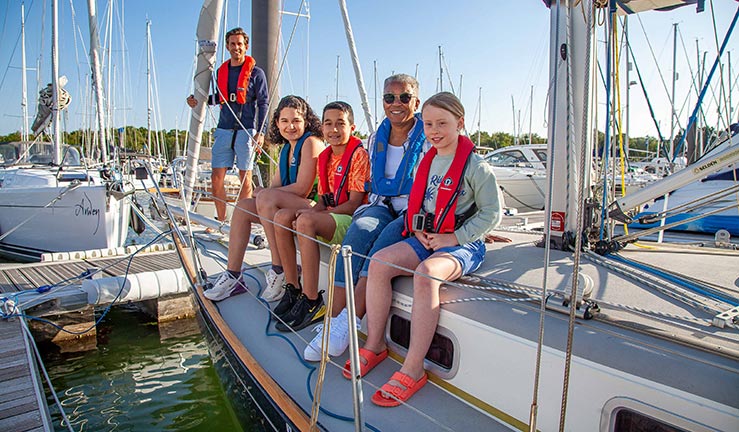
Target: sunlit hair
404	80
312	122
235	32
341	106
446	101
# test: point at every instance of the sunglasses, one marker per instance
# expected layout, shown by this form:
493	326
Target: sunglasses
390	98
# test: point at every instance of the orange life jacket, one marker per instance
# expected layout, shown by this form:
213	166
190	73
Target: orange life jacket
341	174
242	84
446	195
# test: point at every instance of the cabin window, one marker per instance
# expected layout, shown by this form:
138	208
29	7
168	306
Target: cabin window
441	351
542	155
632	421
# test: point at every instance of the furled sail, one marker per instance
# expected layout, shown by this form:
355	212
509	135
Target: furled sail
207	36
45	103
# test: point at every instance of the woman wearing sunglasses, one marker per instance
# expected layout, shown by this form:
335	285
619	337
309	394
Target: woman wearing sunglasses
394	152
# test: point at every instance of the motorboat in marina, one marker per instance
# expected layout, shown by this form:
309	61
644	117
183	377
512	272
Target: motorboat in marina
521	174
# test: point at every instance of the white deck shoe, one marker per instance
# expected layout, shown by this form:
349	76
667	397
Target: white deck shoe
274	289
225	287
338	338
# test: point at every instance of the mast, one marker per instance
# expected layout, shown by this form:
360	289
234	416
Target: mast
148	87
374	63
357	67
56	134
441	71
479	113
96	79
531	112
672	101
265	24
513	108
338	63
109	37
24	84
627	119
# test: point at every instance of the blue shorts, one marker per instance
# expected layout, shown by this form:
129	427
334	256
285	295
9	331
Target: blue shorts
470	255
373	228
243	149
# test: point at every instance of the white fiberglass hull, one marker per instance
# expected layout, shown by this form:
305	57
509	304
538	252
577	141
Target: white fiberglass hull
85	217
524	189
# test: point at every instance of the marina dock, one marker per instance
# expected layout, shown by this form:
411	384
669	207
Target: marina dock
22	400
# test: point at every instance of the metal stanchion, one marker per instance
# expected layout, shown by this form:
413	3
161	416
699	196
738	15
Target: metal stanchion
346	254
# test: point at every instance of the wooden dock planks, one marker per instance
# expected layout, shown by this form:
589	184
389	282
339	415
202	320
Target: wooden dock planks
22	406
31	276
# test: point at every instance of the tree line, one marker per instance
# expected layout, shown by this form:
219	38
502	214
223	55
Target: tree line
172	142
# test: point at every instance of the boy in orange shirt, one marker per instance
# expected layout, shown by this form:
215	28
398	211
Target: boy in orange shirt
343	170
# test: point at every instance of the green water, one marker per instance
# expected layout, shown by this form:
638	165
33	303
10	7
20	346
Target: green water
134	381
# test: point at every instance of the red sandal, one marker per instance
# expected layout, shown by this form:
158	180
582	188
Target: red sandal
391	395
372	361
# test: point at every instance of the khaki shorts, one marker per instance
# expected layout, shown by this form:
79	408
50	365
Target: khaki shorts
342	225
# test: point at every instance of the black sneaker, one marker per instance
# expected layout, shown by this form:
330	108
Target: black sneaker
287	301
304	313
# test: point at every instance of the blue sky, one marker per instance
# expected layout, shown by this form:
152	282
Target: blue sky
499	46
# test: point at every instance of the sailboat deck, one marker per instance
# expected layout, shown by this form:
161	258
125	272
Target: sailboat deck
617	336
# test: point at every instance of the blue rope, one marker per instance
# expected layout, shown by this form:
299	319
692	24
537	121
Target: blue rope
677	280
307	365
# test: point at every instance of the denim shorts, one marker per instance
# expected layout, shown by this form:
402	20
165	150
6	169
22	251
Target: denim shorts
470	255
243	149
372	229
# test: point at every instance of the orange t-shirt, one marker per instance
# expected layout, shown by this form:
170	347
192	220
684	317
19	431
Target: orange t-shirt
359	171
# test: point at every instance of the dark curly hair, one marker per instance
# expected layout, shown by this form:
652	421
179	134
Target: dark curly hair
312	122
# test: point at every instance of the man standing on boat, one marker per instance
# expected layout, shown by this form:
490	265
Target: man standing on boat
241	90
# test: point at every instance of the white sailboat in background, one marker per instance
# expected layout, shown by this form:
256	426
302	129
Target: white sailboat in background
59	205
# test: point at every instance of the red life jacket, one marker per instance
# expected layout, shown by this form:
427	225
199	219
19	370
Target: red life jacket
448	192
341	174
242	84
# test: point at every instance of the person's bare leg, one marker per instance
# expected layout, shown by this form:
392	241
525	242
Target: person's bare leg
360	299
425	310
380	290
247	189
312	225
269	201
219	192
238	237
285	242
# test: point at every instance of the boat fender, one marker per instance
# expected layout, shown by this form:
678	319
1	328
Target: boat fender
136	222
135	287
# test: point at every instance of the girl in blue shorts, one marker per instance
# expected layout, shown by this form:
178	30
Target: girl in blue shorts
453	204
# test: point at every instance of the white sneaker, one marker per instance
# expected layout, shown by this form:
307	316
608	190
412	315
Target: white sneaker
338	338
274	290
225	287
